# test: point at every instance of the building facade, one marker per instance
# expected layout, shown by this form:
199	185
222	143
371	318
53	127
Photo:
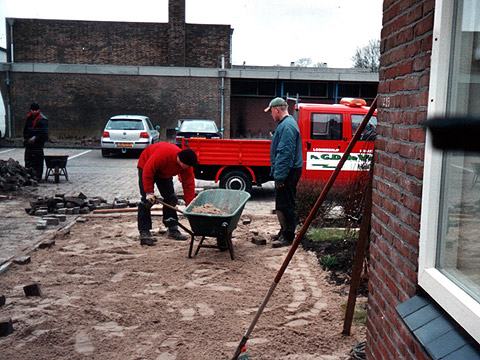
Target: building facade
424	284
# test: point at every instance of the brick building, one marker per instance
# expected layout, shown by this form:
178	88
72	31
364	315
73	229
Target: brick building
83	72
424	279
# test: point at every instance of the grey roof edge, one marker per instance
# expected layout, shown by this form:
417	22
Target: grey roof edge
273	72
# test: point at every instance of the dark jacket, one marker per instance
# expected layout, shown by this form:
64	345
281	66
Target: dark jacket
286	149
35	126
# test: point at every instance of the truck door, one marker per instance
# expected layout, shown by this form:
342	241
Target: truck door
325	144
362	152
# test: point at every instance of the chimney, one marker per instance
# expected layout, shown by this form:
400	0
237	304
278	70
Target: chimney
176	33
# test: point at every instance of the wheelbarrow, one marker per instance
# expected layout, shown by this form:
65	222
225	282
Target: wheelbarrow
56	166
230	202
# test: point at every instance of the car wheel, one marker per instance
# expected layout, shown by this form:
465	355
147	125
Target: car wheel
105	152
236	180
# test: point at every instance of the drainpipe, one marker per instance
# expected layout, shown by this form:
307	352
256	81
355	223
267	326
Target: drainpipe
11	22
11	129
9	110
222	92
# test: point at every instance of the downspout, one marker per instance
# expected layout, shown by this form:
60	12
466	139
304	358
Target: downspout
11	129
11	22
222	94
9	110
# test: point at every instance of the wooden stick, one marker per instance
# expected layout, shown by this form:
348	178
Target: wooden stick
109	211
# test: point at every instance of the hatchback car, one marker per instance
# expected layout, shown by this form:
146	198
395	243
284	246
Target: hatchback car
197	128
128	133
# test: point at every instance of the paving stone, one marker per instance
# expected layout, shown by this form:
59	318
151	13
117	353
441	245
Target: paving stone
61	217
22	260
259	240
51	220
41	224
46	244
32	289
6	327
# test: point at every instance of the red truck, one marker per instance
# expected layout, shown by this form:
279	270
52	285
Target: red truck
326	131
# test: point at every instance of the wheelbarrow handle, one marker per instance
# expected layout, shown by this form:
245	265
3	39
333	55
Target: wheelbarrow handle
158	201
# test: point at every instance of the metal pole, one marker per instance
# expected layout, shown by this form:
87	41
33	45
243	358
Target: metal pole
305	226
222	93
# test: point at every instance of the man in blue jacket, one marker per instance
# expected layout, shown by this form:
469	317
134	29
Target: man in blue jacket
286	168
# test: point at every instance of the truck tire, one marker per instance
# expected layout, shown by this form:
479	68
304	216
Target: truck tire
236	180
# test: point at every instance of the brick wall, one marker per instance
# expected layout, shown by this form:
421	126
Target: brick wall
79	105
120	43
90	42
406	43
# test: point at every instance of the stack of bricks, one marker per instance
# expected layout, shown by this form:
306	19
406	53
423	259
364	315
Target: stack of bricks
55	209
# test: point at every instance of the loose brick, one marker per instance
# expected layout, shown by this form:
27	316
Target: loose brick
32	290
22	260
6	327
259	240
46	244
41	224
51	220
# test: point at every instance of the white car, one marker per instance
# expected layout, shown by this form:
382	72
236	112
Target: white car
128	133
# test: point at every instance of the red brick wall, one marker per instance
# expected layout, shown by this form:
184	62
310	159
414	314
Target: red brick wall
406	43
90	42
80	105
120	43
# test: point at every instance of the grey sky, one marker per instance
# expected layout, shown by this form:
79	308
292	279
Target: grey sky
266	32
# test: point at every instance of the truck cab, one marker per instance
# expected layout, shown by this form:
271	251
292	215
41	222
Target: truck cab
326	131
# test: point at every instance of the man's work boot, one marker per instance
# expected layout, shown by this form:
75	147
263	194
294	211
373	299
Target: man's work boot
175	234
146	238
275	237
281	242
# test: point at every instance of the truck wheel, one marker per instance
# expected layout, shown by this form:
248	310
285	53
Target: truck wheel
236	180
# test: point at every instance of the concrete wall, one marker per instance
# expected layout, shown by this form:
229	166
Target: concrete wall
406	44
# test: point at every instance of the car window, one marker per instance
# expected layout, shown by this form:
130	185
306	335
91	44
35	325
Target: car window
149	124
209	126
370	130
124	124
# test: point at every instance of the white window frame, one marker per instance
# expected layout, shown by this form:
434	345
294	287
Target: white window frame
455	301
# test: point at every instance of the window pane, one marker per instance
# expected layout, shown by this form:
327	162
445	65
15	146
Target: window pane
458	249
326	127
370	130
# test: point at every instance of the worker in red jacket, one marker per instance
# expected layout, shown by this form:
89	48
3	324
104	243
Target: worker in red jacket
158	164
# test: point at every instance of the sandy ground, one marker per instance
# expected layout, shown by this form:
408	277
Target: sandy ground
106	297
